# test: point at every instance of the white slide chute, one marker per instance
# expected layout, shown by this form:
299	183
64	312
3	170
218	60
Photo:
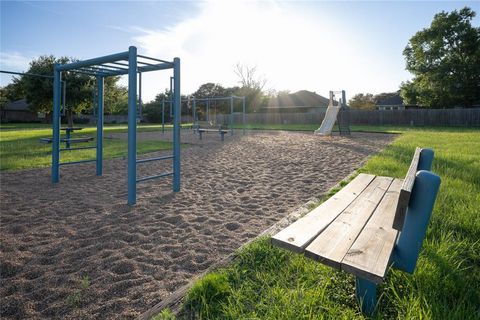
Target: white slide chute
330	115
329	121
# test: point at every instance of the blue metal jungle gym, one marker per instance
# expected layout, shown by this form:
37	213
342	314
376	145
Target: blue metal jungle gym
196	104
208	117
124	63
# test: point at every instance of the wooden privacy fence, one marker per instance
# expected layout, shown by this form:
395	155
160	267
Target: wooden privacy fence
411	117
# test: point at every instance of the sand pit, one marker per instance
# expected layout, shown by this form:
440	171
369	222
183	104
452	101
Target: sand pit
130	258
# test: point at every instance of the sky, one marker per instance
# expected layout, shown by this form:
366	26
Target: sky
295	45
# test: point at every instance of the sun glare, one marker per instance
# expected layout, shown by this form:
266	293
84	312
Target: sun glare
292	49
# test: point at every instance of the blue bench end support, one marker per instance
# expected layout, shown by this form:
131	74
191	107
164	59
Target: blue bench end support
426	159
418	214
366	294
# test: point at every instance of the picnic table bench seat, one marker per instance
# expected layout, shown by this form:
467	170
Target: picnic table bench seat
70	140
206	126
374	222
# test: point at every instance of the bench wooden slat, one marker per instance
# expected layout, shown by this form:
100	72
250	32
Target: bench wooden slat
406	191
299	234
370	253
73	140
213	130
331	246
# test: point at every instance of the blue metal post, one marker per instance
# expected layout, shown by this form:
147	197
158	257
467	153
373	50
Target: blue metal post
163	116
100	83
208	111
418	214
132	126
67	138
366	294
56	125
170	96
140	95
243	115
194	111
176	125
64	94
231	116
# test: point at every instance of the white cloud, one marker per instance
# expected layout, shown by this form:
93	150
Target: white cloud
14	61
291	46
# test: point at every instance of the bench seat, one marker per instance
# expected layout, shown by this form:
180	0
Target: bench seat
352	230
220	131
69	140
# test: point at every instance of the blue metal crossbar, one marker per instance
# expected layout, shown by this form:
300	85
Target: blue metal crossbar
155	177
78	148
154	159
118	63
26	74
155	59
146	63
76	162
93	62
88	73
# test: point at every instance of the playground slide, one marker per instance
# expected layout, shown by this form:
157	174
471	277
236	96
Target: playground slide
329	121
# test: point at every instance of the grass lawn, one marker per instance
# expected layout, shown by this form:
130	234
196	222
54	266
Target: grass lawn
266	282
20	147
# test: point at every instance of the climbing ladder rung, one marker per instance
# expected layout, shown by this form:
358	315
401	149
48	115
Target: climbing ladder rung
75	162
154	159
155	177
78	148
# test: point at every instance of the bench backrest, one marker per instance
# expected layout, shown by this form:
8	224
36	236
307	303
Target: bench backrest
406	191
422	160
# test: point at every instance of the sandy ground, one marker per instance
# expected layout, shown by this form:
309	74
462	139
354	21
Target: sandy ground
130	258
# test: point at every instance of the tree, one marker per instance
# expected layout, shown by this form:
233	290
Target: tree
115	97
38	91
362	101
14	91
445	62
251	87
210	90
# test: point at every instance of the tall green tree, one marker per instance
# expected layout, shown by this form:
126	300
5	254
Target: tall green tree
80	89
445	61
210	90
362	101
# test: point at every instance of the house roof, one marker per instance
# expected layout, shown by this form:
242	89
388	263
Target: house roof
302	98
393	99
18	105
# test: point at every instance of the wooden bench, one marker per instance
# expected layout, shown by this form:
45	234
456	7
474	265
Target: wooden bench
371	224
206	126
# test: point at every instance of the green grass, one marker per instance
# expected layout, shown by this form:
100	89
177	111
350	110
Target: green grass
266	282
20	147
